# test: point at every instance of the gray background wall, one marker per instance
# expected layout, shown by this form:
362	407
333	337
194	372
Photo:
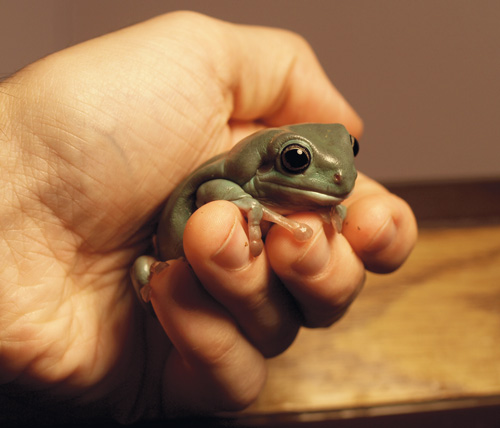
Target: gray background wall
424	75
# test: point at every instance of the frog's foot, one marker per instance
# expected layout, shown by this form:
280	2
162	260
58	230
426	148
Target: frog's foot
256	212
140	274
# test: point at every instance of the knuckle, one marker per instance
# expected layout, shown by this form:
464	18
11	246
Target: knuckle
221	348
317	320
242	398
278	343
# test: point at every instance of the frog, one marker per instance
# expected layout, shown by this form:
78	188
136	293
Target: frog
267	175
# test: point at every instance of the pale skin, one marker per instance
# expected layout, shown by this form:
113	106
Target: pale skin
94	139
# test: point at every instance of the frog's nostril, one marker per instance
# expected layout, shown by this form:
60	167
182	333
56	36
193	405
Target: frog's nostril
337	178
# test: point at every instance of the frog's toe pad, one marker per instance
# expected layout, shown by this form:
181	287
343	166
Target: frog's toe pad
256	247
302	232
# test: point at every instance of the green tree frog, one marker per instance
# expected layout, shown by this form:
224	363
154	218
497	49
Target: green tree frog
274	172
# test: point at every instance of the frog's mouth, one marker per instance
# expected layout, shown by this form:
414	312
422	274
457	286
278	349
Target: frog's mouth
314	195
300	197
295	195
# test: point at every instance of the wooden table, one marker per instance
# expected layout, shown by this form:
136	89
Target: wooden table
423	342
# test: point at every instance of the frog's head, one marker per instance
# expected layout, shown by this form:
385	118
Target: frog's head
306	166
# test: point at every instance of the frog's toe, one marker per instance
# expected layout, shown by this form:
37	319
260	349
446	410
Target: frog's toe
302	232
256	247
337	216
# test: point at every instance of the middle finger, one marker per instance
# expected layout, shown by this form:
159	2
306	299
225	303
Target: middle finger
216	246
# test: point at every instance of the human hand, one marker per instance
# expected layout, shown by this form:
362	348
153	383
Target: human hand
94	139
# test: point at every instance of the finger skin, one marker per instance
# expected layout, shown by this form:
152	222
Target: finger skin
323	274
380	226
216	245
213	366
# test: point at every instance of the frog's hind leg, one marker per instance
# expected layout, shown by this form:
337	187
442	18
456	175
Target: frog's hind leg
140	274
256	212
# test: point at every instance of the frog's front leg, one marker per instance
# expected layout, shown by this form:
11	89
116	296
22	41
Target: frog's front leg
301	231
337	217
220	189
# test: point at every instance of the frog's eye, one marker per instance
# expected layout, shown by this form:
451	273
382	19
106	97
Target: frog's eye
354	145
295	158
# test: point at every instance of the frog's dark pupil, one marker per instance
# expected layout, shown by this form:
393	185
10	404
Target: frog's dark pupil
355	145
295	158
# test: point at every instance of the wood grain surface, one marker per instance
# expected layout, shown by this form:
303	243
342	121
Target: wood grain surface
427	336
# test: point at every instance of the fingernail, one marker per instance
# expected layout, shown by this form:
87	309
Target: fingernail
234	253
315	258
383	237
